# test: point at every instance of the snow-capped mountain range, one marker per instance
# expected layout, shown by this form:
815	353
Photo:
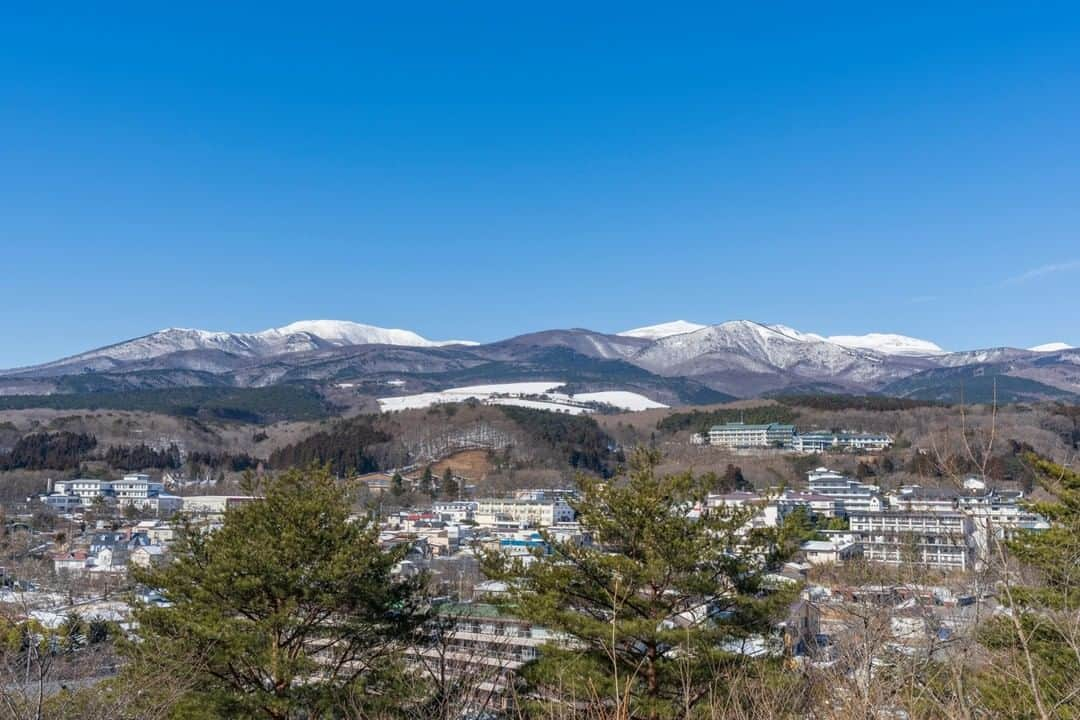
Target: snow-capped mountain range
676	361
297	337
888	344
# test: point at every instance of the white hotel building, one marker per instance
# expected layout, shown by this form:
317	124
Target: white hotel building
741	435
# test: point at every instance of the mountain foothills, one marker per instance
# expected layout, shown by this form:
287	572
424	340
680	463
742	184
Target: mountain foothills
675	363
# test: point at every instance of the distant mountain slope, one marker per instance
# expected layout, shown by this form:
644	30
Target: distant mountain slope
765	357
298	337
982	383
585	342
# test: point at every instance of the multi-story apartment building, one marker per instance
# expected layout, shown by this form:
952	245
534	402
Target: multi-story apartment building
545	494
531	513
479	648
937	539
821	441
741	435
134	489
852	495
86	489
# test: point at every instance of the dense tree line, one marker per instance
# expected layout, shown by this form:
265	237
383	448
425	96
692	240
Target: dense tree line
48	451
699	420
248	405
878	403
1072	414
578	439
142	456
346	447
235	462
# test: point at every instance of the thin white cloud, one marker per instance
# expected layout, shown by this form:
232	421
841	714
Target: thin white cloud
1043	270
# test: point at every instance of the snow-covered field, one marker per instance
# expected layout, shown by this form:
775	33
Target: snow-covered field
620	399
538	395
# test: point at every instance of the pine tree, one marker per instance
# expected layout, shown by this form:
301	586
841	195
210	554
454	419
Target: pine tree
289	609
427	482
653	609
450	487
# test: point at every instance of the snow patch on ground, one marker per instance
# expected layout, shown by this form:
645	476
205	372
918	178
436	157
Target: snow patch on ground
620	399
537	395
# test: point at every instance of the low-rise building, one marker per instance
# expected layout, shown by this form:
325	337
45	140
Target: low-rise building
817	505
834	552
454	511
146	556
213	504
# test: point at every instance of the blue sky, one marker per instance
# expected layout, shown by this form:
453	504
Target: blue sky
480	170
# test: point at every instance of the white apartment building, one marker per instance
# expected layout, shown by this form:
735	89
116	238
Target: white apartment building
942	540
530	513
86	489
133	489
812	442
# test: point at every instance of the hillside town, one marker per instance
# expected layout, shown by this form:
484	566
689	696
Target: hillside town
940	539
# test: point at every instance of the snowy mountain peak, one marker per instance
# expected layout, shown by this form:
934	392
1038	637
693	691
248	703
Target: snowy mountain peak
303	336
888	344
1051	347
343	332
663	330
796	334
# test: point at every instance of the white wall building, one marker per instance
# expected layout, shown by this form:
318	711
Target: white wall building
853	496
812	442
741	435
493	511
136	489
454	511
943	540
834	552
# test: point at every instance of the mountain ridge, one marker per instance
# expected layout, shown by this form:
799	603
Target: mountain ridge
681	360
